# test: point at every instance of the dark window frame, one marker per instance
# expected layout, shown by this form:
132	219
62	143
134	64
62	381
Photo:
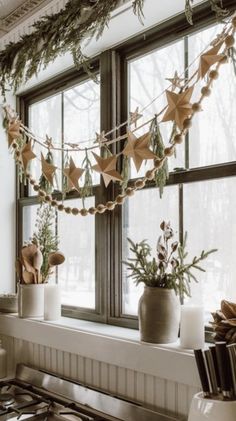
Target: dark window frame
114	109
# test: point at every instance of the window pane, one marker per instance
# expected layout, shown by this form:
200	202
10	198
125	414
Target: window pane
217	145
146	82
82	118
209	209
29	221
45	118
143	222
77	240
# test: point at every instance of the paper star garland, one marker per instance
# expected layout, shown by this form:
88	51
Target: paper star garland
138	148
101	138
179	107
176	81
13	131
27	154
48	142
73	174
209	58
48	170
134	117
107	168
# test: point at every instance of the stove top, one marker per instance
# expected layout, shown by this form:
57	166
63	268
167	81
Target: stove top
40	396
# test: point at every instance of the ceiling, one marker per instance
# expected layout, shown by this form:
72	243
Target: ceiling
14	11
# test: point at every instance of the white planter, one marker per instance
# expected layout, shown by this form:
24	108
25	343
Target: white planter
52	302
31	300
211	410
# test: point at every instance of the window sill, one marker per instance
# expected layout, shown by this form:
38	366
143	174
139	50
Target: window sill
109	344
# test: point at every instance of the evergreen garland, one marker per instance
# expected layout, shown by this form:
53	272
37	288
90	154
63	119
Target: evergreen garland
218	9
158	148
54	35
43	182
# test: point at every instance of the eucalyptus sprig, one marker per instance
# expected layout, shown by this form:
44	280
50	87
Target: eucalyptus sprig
169	268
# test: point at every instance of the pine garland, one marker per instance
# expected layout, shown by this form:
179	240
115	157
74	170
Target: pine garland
55	35
158	148
220	12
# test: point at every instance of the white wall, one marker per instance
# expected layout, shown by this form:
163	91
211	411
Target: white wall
7	211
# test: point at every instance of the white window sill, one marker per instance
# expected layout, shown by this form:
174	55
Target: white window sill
110	344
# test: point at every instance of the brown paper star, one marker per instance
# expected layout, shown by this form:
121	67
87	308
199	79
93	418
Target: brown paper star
176	81
134	117
48	142
179	107
13	131
107	168
138	149
27	154
101	138
73	174
209	58
48	170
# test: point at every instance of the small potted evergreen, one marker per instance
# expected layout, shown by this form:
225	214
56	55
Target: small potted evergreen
167	279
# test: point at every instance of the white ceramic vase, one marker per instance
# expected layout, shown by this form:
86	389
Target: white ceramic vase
203	409
31	300
52	302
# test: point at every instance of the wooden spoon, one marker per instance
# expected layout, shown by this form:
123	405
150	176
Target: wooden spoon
28	277
56	258
38	261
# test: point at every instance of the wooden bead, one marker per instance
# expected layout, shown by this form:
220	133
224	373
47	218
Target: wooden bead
150	175
60	207
48	198
158	163
206	91
139	184
234	22
32	181
101	208
75	211
36	187
68	210
17	154
187	123
54	203
41	193
178	138
14	145
129	191
213	74
84	212
92	210
110	205
229	41
27	174
169	151
196	107
120	199
224	60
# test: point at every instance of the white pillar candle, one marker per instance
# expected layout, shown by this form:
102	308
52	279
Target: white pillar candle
52	302
192	327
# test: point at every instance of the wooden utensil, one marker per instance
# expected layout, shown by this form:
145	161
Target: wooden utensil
28	277
56	258
27	257
37	263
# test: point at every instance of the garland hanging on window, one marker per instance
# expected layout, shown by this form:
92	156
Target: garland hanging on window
149	146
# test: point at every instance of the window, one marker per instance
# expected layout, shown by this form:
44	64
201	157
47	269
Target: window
200	187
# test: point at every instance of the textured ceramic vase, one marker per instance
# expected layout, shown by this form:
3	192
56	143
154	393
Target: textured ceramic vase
211	410
159	315
31	300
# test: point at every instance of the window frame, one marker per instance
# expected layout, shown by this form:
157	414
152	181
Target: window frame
113	67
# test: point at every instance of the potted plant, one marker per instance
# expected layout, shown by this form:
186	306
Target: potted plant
37	260
167	279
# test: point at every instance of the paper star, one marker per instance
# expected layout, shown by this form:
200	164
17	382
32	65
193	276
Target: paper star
48	142
176	81
134	117
101	138
138	148
27	154
209	58
13	131
179	107
48	170
73	174
107	168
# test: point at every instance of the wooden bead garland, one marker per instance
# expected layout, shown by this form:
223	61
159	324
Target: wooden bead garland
169	151
92	211
206	91
110	205
84	212
68	210
129	191
187	123
60	207
178	138
139	184
214	74
120	199
75	211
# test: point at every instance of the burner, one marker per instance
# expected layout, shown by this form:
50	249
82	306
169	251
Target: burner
6	399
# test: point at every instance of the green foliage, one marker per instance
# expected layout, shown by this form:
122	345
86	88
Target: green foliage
158	148
169	269
87	189
43	182
45	236
54	35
